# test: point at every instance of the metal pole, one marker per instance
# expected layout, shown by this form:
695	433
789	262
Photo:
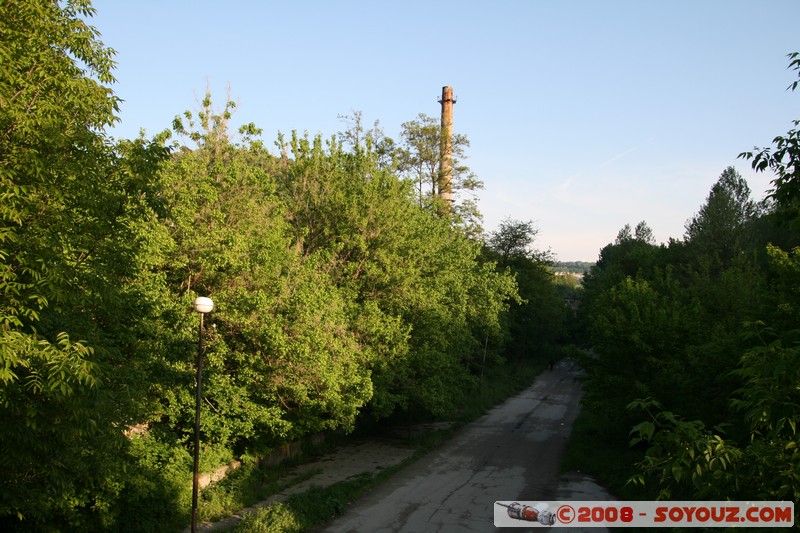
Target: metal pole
195	481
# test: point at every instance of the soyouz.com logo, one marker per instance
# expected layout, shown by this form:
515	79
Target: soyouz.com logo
644	514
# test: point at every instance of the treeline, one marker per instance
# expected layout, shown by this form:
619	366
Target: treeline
573	267
695	344
342	293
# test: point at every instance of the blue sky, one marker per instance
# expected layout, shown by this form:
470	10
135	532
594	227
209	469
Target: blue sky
582	115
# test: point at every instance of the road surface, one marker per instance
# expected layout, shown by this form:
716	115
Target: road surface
512	453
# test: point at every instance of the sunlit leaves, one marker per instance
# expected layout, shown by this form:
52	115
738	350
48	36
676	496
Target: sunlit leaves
76	229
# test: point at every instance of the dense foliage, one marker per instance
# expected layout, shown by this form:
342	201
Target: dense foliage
695	344
537	320
77	219
341	292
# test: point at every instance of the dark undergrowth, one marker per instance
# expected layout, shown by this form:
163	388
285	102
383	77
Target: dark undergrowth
596	449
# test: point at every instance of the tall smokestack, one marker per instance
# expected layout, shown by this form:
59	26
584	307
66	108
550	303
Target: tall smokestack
446	149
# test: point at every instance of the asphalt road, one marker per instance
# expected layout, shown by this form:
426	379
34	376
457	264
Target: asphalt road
511	453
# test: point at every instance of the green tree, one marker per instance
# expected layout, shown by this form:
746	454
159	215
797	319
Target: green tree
78	234
420	294
418	155
284	359
718	229
536	320
630	255
334	289
637	330
688	459
512	240
357	137
418	158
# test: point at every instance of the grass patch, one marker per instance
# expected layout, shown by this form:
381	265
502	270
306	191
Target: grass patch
311	508
302	511
252	483
245	486
317	505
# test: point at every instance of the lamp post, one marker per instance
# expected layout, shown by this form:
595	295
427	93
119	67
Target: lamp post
202	305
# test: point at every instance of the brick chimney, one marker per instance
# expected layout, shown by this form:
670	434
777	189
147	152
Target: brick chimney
446	149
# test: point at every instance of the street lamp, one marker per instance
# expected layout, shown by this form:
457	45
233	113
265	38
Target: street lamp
202	305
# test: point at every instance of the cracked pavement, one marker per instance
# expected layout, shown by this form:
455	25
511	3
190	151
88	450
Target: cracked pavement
512	452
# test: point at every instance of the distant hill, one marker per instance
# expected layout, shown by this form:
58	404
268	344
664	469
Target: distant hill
573	267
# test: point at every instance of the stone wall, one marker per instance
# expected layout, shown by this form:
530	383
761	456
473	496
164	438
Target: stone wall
282	453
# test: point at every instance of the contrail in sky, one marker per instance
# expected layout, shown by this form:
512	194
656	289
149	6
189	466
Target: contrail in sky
567	182
623	154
